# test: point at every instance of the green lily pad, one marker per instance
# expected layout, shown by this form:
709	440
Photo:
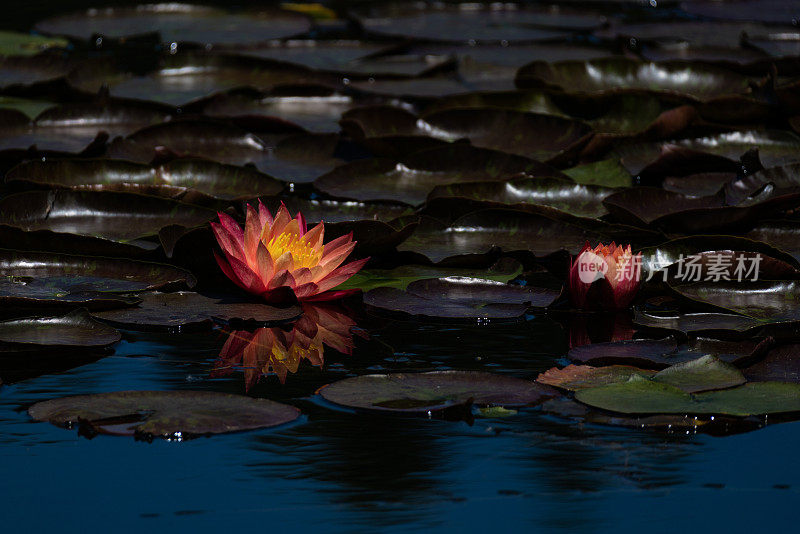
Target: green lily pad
703	374
31	108
639	395
427	392
27	44
769	301
76	329
164	414
604	173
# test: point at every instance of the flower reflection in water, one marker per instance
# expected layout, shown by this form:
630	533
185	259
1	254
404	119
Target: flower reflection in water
280	350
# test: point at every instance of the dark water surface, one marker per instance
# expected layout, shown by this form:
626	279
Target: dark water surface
337	471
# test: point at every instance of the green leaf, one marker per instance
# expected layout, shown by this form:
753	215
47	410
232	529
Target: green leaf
25	44
608	173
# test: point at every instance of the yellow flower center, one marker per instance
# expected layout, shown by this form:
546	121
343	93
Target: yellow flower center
302	253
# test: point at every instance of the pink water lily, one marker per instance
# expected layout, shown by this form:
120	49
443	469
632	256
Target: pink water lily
272	253
604	277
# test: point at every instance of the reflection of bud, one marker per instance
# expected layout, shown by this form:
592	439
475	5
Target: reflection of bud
279	351
585	329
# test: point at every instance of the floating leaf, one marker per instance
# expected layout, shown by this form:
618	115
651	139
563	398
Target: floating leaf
765	300
577	377
400	277
510	230
461	298
703	374
25	71
76	329
639	395
164	414
428	392
697	322
179	23
26	44
181	310
605	173
185	179
780	364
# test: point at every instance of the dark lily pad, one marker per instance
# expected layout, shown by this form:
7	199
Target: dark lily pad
483	24
639	395
694	32
781	364
527	101
326	55
64	274
76	329
31	108
165	414
607	74
540	137
292	158
179	23
510	230
118	217
503	271
698	185
769	11
768	301
697	322
186	310
411	179
427	392
577	377
576	199
777	264
461	298
317	109
336	211
187	76
660	354
24	71
779	234
189	180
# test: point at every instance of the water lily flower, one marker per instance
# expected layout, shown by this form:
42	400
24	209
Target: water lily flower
279	351
606	277
274	253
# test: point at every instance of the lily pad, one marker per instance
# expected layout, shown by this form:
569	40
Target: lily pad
769	301
76	329
421	393
461	298
608	74
25	71
640	395
411	179
768	11
336	211
65	274
400	277
697	322
187	310
575	199
703	374
482	24
780	364
291	158
698	185
189	180
510	230
605	173
187	76
27	44
177	22
165	414
577	377
117	217
31	108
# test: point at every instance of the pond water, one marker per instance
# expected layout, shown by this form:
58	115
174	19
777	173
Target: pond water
337	471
